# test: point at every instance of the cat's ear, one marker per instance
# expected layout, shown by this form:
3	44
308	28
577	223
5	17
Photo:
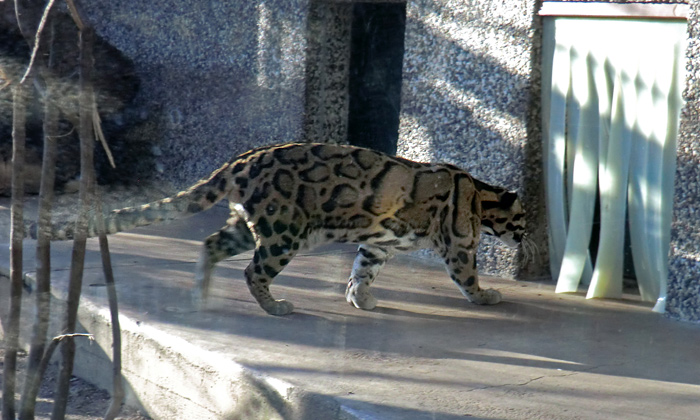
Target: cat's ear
507	199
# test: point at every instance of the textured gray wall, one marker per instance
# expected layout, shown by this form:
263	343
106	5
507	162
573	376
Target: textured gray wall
218	77
470	97
328	69
221	77
684	282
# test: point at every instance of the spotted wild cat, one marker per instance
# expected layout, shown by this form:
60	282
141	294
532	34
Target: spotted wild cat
289	197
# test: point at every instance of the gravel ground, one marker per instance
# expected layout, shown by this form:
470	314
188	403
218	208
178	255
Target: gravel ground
86	401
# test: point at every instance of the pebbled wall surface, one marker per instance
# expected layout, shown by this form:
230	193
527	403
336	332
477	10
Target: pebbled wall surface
683	301
470	97
218	80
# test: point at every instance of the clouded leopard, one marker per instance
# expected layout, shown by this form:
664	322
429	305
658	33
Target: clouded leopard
289	197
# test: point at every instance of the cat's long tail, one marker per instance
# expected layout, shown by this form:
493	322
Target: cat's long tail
199	197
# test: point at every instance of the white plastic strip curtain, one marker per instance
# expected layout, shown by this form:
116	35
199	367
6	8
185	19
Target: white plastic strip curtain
611	105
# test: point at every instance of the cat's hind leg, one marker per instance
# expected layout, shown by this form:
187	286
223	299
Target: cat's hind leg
269	259
231	240
368	262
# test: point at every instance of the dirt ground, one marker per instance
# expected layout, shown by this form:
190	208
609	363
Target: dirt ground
86	401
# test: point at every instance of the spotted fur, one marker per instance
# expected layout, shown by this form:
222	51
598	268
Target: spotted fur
289	197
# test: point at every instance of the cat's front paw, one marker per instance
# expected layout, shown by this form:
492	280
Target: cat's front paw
361	299
278	307
486	297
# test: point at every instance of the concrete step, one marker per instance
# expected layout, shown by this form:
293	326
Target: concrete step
424	353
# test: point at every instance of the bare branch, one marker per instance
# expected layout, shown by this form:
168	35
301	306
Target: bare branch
58	338
37	39
75	14
28	13
97	124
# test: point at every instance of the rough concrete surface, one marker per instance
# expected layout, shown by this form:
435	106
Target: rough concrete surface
424	353
217	78
684	261
470	97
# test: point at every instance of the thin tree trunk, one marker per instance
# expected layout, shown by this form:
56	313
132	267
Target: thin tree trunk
43	247
117	385
87	140
16	239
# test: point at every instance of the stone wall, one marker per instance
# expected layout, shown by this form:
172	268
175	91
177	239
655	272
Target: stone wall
684	269
328	66
470	97
217	78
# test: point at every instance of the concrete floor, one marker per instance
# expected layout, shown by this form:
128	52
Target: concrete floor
424	353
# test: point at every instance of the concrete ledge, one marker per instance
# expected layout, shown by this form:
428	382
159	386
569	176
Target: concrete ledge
171	378
423	354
